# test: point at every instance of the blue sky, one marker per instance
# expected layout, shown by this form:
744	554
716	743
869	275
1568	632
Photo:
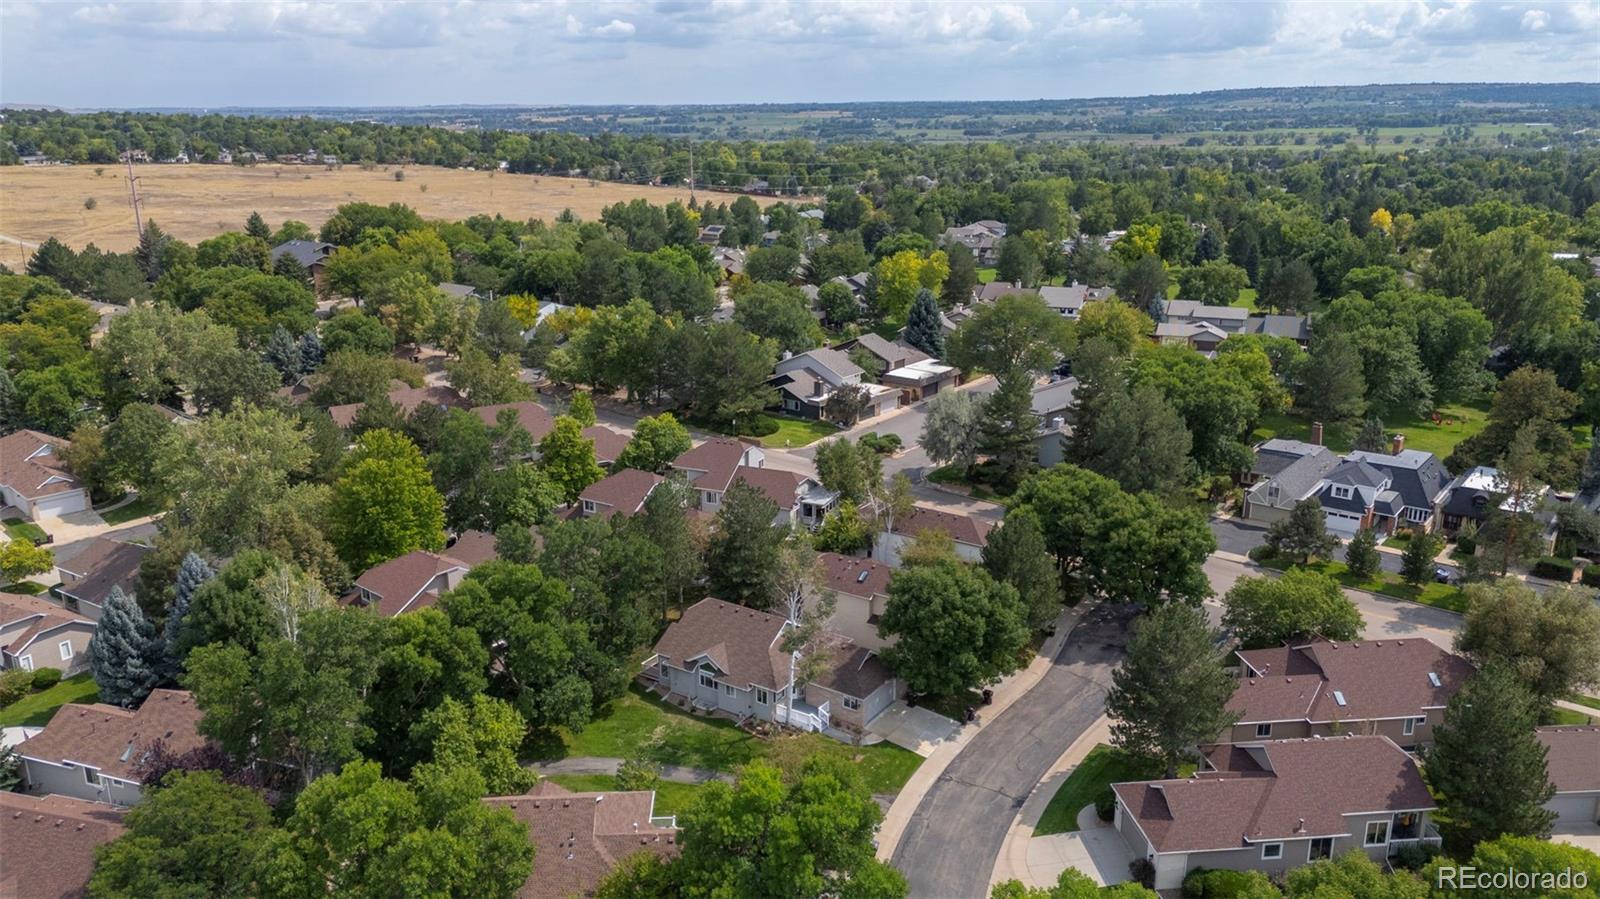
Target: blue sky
268	53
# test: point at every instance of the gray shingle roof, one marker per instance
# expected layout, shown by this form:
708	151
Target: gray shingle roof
1416	475
305	252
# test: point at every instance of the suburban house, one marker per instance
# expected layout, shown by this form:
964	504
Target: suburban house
1285	472
917	374
88	578
724	658
459	291
710	467
472	547
534	418
981	237
91	751
1382	491
37	634
1069	301
801	499
1393	688
1572	761
1274	806
729	260
807	381
1471	497
1200	336
1052	403
405	398
890	354
861	592
546	309
1228	319
34	480
608	444
1197	323
413	581
48	844
614	825
710	234
969	532
620	493
311	254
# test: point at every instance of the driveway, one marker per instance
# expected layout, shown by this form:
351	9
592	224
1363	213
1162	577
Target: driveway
952	839
917	729
1586	836
1095	849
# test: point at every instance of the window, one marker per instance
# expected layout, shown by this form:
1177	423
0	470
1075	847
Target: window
707	680
1263	730
1415	514
1377	833
728	688
1340	491
91	776
762	696
26	662
852	703
712	497
1338	698
588	506
66	649
1321	847
1271	850
1409	727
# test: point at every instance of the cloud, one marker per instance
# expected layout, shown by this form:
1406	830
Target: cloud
616	28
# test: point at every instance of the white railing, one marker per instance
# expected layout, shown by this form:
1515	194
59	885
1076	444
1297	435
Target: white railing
802	719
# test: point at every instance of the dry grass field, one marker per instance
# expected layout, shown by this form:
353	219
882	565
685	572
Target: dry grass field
195	202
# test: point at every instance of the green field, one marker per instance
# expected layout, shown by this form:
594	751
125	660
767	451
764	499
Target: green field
138	508
22	529
671	798
794	432
36	709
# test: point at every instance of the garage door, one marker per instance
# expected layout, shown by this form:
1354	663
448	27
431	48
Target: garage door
1574	809
59	505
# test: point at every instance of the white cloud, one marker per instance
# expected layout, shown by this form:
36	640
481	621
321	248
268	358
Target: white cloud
614	28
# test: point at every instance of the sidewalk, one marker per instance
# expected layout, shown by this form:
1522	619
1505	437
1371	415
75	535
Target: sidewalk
1014	863
1005	693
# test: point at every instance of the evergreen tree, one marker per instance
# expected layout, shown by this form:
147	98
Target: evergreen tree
311	352
742	556
963	276
1016	555
8	404
286	266
1371	438
1487	766
150	254
1589	481
1303	534
1331	385
192	573
256	227
283	353
120	654
1416	563
922	325
1361	556
1009	426
1173	689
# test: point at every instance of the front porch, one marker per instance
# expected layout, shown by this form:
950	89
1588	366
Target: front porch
1408	829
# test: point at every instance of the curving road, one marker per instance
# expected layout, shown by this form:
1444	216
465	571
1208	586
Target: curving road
955	834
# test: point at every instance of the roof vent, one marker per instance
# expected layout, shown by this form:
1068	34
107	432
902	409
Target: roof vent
1433	678
1338	697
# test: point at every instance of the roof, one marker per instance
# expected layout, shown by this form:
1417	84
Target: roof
472	547
853	576
102	565
1196	310
608	444
39	615
921	372
457	290
1275	455
406	399
782	487
1054	397
742	643
1065	299
49	844
966	529
1573	757
305	252
852	670
114	739
994	290
717	458
1284	789
1295	327
823	361
579	837
1375	679
29	465
892	352
1417	476
621	492
1295	474
534	418
400	581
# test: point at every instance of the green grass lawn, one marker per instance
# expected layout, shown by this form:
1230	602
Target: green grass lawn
1438	435
1444	596
1592	702
1567	716
1101	768
36	709
671	798
797	432
986	274
22	529
27	588
139	508
954	476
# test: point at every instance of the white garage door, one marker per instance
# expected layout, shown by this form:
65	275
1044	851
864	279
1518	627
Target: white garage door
60	504
1574	809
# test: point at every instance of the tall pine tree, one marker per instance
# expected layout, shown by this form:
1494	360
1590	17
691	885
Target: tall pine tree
1172	692
283	353
922	325
256	227
193	572
1016	555
121	652
742	556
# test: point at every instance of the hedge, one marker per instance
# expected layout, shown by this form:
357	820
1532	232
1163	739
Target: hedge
1591	575
45	678
1553	569
1216	883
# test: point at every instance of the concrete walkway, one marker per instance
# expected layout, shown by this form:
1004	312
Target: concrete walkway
1095	850
603	765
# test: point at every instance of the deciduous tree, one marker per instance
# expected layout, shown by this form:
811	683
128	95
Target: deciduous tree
1267	611
567	458
384	503
1015	554
1303	534
1549	640
655	443
956	627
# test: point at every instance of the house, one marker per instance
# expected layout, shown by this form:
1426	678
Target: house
1274	806
981	237
724	658
405	398
1295	327
546	309
34	480
459	291
1069	301
994	290
88	578
534	418
92	752
1393	688
37	634
711	234
815	215
413	581
1228	319
1203	327
730	260
710	467
1201	336
1052	403
807	381
1572	760
861	592
48	843
613	826
890	354
1471	497
969	533
311	254
472	547
1382	491
801	500
619	493
920	380
608	444
1285	472
106	312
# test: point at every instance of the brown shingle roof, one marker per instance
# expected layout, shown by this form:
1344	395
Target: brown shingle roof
534	418
113	739
1574	757
608	444
775	484
741	642
39	615
47	844
966	529
102	565
404	397
29	465
623	492
473	548
718	458
1284	789
579	837
398	582
1376	678
852	670
843	574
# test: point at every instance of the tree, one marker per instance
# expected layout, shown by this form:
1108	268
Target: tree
843	530
1528	399
665	523
195	836
486	381
1302	535
1113	324
963	277
1008	428
1361	556
923	329
1172	690
655	443
1350	875
838	304
384	504
480	733
1300	605
1416	562
900	276
1017	333
1549	640
1018	263
122	653
776	264
256	227
1486	764
1137	438
1506	857
567	458
1331	384
581	408
1509	533
1015	554
1372	438
21	558
780	314
193	573
1290	287
1214	282
852	470
741	558
1143	286
1589	481
956	627
950	432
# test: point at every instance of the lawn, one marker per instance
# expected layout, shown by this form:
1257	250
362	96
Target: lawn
1437	434
138	508
669	736
1443	596
36	709
671	798
22	529
955	476
1101	768
1592	702
797	432
1567	716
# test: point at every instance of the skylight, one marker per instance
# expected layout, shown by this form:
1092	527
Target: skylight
862	577
1434	679
1338	697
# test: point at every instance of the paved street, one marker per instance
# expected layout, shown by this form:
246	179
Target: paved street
954	836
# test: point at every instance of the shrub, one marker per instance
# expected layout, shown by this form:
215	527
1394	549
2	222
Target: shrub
882	444
14	684
1143	872
45	678
1105	805
1262	553
1591	576
1414	856
1216	883
759	426
1554	569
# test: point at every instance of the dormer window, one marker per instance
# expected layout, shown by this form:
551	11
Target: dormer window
1342	491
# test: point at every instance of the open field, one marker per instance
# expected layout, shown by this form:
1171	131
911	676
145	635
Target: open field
194	202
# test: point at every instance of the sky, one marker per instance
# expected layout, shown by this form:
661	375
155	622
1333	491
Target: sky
197	53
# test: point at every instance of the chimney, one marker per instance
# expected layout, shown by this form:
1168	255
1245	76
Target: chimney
818	388
1396	444
1316	433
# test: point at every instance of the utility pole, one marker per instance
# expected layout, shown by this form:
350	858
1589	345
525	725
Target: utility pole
691	171
133	195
